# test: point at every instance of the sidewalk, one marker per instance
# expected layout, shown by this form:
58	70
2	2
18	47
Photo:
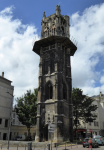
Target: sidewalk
53	148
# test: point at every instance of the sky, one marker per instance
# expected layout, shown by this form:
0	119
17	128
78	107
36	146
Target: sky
20	27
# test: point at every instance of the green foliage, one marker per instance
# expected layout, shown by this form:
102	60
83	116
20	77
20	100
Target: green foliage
26	108
83	107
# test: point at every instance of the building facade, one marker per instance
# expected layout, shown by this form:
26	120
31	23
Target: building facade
55	82
6	101
96	127
17	128
100	113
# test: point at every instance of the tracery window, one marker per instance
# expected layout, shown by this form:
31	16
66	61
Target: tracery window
48	91
46	66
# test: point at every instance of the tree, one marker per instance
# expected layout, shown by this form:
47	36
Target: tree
26	109
83	108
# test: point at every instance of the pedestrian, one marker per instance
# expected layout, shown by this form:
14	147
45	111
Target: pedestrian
90	143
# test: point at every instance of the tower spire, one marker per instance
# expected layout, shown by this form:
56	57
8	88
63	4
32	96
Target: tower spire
44	16
58	10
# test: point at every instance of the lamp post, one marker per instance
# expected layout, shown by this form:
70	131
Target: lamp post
10	119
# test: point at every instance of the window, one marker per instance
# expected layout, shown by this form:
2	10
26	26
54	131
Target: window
13	121
94	123
13	115
25	133
97	123
4	136
34	136
0	121
52	63
90	123
48	91
6	122
46	66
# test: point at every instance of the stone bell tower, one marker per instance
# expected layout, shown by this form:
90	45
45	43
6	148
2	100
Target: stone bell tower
55	81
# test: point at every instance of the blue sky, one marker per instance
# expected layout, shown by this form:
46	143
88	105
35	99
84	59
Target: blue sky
20	26
30	12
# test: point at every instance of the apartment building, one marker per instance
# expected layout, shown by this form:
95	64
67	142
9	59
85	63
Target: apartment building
6	101
100	100
17	128
96	127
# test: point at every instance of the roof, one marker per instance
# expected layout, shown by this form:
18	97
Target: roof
2	79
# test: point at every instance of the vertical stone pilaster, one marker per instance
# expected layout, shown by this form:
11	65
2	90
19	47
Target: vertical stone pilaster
56	67
62	91
37	138
56	133
64	70
71	108
54	92
49	70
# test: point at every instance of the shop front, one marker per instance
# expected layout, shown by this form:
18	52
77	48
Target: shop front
81	133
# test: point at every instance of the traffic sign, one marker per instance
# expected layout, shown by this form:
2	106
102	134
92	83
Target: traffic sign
52	131
52	125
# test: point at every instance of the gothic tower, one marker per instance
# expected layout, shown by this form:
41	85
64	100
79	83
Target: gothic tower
55	82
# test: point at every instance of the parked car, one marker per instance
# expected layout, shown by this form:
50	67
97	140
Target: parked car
94	143
99	139
86	144
21	138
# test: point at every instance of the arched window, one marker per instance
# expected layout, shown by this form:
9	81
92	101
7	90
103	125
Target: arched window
64	92
52	31
48	91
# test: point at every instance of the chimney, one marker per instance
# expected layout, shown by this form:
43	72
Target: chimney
3	74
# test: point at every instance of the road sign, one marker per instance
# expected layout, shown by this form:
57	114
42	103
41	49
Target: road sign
52	125
52	131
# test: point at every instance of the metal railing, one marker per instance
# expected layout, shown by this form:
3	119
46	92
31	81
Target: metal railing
46	146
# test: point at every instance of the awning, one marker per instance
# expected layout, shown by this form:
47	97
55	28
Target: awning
89	130
81	130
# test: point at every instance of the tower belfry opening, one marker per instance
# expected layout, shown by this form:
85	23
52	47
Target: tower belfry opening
55	82
49	91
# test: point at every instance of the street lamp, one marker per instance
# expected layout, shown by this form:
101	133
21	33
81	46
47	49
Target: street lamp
10	119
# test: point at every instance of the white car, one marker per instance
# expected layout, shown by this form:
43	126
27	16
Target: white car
99	139
21	137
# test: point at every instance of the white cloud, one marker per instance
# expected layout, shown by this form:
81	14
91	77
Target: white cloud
18	61
88	30
102	80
